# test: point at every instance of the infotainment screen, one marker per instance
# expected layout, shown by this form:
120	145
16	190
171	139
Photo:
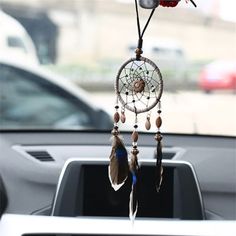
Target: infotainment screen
97	197
84	189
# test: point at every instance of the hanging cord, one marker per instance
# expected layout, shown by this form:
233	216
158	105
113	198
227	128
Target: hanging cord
194	4
140	35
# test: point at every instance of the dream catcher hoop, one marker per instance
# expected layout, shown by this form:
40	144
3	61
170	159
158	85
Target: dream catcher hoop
139	85
138	88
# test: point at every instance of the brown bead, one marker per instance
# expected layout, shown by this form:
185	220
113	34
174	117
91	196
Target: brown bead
135	151
138	51
115	132
148	124
158	122
139	86
116	117
122	117
158	137
135	136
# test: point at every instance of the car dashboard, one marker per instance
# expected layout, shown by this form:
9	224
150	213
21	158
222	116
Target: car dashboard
34	163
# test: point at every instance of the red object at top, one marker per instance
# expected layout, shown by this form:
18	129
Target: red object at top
169	3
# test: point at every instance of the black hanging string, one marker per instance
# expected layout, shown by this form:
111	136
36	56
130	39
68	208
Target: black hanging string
134	167
140	35
193	3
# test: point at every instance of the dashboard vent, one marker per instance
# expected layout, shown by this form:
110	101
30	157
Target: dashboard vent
41	155
166	155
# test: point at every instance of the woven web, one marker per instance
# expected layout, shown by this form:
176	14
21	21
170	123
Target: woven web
133	71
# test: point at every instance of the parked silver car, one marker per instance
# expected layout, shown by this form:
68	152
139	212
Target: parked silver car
32	97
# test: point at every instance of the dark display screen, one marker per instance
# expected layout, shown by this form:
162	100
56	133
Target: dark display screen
97	197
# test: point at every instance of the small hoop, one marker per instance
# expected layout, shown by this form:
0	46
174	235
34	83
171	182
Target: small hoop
139	85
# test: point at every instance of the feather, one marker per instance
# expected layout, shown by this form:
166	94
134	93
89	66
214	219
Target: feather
133	200
118	168
159	168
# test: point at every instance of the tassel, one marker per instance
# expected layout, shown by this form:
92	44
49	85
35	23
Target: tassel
133	200
119	167
159	168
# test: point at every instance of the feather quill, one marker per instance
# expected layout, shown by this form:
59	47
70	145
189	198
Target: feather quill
133	199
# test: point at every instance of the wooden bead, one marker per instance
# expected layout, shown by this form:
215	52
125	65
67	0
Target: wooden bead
139	86
135	151
148	124
135	136
115	132
158	137
116	117
158	122
122	117
138	51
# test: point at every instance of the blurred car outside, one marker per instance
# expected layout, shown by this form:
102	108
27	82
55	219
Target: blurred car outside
218	75
31	97
168	54
15	41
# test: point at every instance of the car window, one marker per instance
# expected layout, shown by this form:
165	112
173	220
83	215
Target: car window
87	41
30	101
16	42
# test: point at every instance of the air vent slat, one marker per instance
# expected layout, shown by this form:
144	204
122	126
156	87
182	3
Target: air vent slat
41	155
166	155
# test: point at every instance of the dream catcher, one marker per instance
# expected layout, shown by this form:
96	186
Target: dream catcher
138	88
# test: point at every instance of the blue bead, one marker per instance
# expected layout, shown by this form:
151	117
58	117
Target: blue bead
134	178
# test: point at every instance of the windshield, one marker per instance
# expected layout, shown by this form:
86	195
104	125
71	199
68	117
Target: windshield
72	51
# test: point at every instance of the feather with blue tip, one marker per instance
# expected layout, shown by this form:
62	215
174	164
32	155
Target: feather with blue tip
118	167
133	199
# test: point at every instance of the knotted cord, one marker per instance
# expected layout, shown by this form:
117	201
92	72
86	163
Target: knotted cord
140	34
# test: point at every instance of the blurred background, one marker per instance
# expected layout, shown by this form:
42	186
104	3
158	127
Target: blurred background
87	40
